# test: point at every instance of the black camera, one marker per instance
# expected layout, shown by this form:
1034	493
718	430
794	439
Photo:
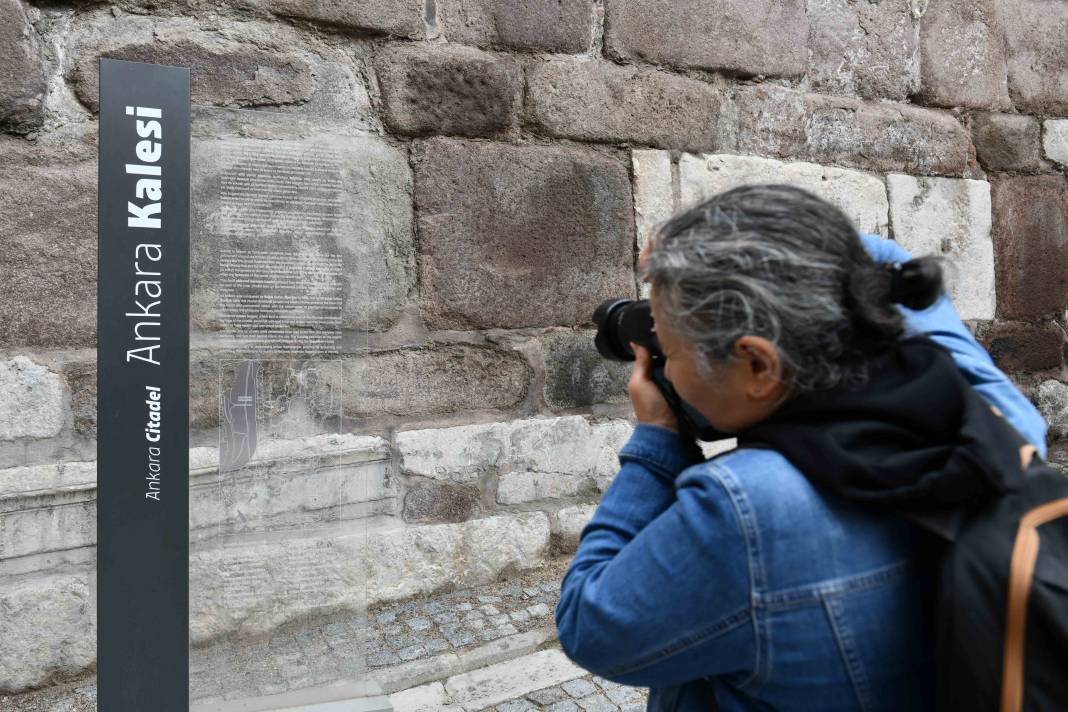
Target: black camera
620	321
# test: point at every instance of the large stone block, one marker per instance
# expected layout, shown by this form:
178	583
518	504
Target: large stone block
569	522
1037	54
513	236
1008	142
862	197
756	37
32	406
22	69
523	487
577	375
568	445
866	48
403	18
780	122
564	26
441	379
601	101
1055	141
653	197
353	201
962	55
48	260
48	625
1030	230
250	64
949	217
1051	398
1026	347
447	89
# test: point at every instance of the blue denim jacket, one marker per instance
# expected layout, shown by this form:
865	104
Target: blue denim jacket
734	579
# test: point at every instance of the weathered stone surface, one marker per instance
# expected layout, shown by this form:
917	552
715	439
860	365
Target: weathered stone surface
81	381
949	217
569	522
80	697
653	199
568	445
48	625
601	101
442	379
962	55
1051	398
252	590
577	375
251	64
564	26
758	37
522	487
441	503
513	236
865	48
780	122
403	18
1008	142
1026	347
22	72
1055	141
1030	231
862	197
1037	55
360	188
48	262
32	406
447	89
498	683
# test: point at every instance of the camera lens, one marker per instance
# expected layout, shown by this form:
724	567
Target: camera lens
620	321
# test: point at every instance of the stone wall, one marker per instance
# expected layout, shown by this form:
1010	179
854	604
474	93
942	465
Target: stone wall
508	160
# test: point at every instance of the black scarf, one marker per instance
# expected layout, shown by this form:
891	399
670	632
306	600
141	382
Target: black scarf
915	439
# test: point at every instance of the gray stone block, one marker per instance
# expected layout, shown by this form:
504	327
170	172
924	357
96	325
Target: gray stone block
22	68
1037	55
748	37
563	26
446	89
577	375
33	401
441	503
514	236
403	18
962	55
48	264
601	101
1008	142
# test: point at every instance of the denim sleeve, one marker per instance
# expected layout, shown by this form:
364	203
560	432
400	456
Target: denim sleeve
941	322
658	591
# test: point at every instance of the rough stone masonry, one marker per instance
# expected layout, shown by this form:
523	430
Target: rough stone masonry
502	162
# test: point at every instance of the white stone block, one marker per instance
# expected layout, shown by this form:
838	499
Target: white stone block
653	199
861	196
569	522
498	683
32	406
520	487
425	698
1055	140
949	217
1052	400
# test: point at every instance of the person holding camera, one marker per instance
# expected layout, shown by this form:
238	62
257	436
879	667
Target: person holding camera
739	582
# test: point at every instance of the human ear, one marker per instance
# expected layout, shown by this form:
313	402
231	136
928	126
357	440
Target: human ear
762	366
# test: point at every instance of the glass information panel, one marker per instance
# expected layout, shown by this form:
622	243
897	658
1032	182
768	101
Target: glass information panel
280	491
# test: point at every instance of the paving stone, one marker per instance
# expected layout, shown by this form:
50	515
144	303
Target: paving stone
577	375
564	26
565	706
1026	347
1037	55
623	695
949	217
32	406
520	616
501	682
517	250
571	97
756	37
442	378
447	89
1051	398
548	695
488	599
411	652
597	703
516	706
1030	228
962	55
1055	140
862	197
579	688
786	123
489	609
1008	142
23	76
868	49
539	609
430	697
48	264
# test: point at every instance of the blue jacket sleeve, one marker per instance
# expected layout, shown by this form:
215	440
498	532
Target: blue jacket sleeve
941	322
658	591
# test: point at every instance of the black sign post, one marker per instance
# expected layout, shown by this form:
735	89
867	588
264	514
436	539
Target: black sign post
143	389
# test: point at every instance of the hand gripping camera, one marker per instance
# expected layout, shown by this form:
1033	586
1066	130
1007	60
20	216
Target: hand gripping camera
620	321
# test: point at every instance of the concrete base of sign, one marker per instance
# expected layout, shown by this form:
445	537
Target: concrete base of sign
363	696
